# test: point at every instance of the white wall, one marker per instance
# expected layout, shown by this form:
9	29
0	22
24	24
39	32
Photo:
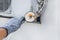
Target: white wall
20	7
58	19
48	30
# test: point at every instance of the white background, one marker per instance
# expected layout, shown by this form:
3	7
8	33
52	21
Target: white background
48	30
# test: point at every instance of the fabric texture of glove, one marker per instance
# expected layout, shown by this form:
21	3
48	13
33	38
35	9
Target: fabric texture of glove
13	24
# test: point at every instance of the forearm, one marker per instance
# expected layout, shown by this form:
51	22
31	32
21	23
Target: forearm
13	24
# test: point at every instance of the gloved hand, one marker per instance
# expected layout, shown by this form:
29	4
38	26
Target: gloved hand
12	25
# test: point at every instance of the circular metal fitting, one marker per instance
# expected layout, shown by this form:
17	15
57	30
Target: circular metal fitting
30	17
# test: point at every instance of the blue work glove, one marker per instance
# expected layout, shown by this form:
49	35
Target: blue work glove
13	24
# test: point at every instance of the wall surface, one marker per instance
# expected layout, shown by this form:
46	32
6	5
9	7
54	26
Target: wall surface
48	30
20	7
58	18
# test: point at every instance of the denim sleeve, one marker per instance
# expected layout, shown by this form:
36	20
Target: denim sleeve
13	24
